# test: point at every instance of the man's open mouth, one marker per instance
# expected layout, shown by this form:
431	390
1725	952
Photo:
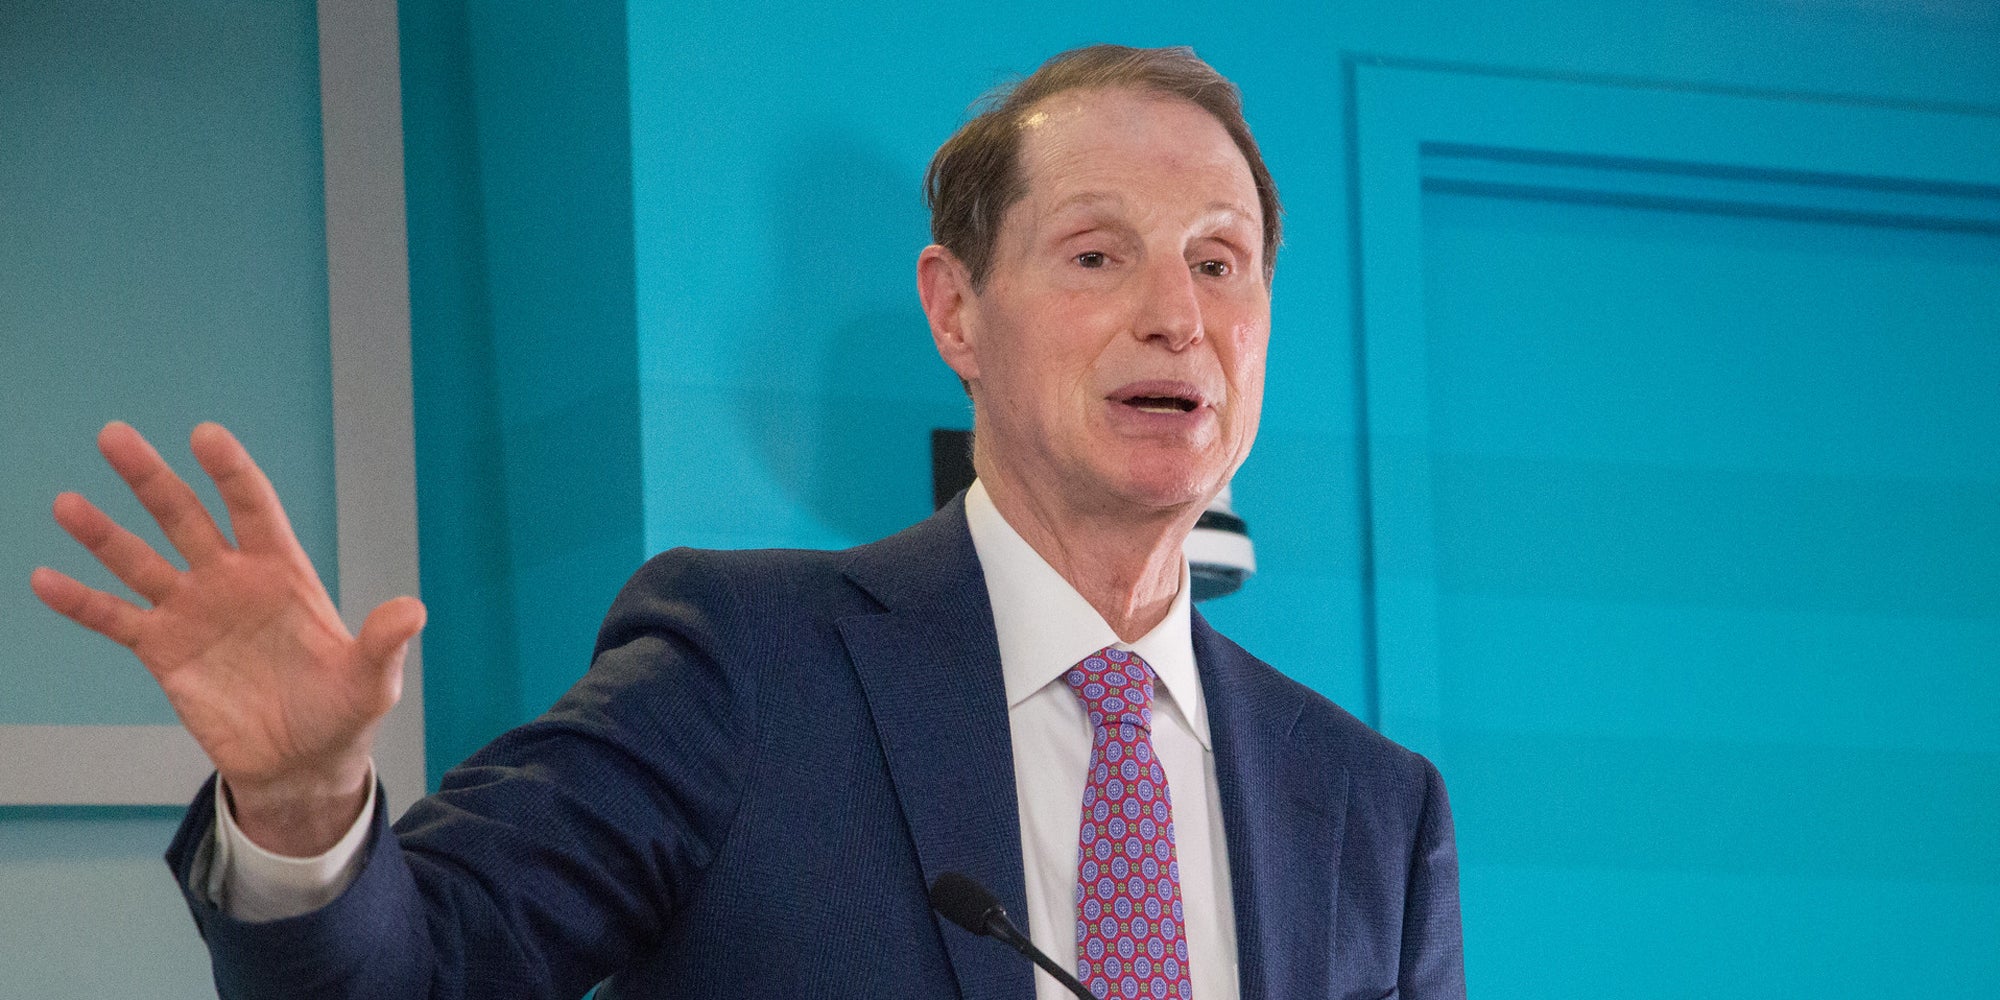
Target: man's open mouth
1162	404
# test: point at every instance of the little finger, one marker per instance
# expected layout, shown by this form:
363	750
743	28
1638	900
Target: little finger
113	618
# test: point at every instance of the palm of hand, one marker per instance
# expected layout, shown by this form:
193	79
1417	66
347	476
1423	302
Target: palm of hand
245	642
255	660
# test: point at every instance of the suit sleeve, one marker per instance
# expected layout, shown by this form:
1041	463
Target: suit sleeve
552	857
1432	966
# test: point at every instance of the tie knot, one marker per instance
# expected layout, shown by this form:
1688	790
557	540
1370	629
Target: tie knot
1116	687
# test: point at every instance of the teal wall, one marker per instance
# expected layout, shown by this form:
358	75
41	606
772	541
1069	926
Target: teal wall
783	375
1629	821
785	382
162	261
777	159
1683	663
523	351
661	294
89	909
1718	612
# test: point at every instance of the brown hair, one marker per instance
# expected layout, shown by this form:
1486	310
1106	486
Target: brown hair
975	176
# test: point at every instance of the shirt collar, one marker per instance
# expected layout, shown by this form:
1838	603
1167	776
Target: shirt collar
1045	627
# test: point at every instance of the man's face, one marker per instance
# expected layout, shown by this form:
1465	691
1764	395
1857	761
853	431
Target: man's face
1116	353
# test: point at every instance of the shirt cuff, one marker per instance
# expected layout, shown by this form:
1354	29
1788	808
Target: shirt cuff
252	884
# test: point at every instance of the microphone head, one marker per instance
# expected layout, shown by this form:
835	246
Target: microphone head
964	902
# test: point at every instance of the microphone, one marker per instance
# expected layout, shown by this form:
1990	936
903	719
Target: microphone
969	905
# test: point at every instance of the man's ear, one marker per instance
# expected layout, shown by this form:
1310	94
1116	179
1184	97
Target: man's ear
945	287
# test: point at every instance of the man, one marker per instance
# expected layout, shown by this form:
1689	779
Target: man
774	753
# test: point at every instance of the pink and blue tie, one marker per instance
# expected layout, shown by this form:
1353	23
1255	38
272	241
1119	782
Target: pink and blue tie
1130	932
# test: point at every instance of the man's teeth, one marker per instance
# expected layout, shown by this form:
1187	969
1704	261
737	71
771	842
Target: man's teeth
1161	404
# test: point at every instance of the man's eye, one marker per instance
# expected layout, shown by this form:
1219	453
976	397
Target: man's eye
1091	258
1214	268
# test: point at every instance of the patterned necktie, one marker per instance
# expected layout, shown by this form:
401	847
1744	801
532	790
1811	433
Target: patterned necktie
1130	935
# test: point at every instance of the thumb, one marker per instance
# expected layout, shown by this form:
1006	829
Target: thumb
388	629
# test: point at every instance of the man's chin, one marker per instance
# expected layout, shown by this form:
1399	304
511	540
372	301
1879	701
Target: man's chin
1167	488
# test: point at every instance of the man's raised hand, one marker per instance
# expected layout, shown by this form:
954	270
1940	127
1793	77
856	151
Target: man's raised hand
245	642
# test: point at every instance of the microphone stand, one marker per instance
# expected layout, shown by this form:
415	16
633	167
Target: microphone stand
963	901
1000	927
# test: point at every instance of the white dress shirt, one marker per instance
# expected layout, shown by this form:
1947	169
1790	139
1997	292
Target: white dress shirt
1045	627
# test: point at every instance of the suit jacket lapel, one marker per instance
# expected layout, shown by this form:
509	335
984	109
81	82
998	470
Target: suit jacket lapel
929	666
1284	804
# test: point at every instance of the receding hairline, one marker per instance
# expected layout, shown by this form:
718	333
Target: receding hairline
975	179
1032	118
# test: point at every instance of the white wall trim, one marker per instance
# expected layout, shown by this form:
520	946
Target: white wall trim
99	765
368	313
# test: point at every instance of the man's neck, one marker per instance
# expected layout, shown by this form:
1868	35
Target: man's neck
1127	567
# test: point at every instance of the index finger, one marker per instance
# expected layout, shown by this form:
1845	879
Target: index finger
254	511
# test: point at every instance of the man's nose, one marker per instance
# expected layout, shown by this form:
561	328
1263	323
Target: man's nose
1170	309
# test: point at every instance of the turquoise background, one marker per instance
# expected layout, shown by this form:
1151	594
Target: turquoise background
161	225
162	261
662	294
1718	704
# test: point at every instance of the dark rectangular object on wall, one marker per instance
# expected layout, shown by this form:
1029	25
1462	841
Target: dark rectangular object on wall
951	464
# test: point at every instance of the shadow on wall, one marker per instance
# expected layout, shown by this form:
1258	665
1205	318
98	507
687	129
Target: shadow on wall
842	383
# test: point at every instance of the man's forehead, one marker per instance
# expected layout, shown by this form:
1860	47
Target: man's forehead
1089	201
1068	104
1061	172
1050	119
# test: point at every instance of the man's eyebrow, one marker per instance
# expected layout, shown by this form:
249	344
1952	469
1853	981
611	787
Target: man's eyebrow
1229	209
1112	199
1087	199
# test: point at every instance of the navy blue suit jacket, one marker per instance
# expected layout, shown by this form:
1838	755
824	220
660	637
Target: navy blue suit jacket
774	753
